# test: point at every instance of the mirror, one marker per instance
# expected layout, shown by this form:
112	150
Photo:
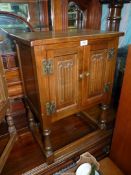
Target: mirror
26	10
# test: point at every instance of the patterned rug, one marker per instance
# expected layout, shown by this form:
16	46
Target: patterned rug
41	168
65	169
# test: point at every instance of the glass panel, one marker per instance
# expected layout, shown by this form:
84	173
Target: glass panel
19	9
7	51
12	25
75	16
29	11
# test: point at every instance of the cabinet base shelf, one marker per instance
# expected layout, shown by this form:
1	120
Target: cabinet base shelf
69	130
86	143
75	135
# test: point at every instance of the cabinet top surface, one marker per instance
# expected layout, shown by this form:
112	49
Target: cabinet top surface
38	38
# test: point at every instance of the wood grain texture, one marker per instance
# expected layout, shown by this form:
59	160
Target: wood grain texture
38	38
120	151
44	18
26	145
59	14
97	65
7	150
107	167
63	83
94	12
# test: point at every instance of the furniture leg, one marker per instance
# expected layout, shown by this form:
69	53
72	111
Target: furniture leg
30	117
48	148
13	136
10	122
104	108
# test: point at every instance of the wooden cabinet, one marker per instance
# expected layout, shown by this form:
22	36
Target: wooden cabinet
65	73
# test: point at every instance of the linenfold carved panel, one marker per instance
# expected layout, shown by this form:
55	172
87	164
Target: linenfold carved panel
97	68
66	81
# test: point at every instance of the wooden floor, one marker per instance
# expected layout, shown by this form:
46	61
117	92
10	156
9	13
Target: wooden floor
71	128
26	153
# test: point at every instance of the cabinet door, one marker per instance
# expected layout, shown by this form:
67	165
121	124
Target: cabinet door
94	70
64	85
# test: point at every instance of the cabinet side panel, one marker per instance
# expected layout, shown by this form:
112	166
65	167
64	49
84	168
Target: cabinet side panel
110	68
30	83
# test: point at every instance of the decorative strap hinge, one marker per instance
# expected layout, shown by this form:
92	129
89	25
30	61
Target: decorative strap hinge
111	53
50	108
47	66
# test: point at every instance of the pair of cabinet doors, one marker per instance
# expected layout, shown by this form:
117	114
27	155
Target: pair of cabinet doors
74	77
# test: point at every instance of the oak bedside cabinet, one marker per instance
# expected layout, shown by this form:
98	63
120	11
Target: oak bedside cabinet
63	74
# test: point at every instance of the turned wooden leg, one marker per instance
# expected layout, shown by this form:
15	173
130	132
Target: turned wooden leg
103	121
13	136
30	117
48	147
10	122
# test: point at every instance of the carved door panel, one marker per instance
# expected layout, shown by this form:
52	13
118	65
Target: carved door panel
64	85
94	69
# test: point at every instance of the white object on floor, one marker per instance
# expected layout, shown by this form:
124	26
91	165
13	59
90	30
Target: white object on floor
84	169
96	173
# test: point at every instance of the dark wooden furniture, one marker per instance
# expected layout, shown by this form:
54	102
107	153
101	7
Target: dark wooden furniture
114	15
120	154
65	73
122	133
91	9
11	72
3	111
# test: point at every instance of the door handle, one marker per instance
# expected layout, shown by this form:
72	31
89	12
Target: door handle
87	74
81	76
